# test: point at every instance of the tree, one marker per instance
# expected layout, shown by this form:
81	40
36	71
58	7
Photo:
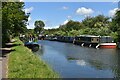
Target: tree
115	25
14	20
88	22
96	22
73	25
39	26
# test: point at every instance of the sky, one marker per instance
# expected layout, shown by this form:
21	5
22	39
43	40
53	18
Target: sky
57	13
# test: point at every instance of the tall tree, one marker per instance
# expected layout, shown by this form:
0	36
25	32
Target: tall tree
96	22
14	20
116	24
39	26
73	25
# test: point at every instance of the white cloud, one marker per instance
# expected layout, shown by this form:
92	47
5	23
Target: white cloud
65	8
84	11
21	0
65	22
112	12
28	10
48	26
29	19
115	1
52	27
31	25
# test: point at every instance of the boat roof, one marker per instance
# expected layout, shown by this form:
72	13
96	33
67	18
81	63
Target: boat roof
88	36
92	36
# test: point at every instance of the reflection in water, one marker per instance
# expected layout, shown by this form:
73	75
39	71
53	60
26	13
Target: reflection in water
98	65
81	62
72	61
35	48
40	51
116	70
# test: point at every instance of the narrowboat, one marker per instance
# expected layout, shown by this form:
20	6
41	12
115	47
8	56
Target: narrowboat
60	38
32	45
87	40
106	42
95	41
51	38
67	39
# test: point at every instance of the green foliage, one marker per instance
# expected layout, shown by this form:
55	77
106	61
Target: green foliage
52	31
59	33
73	25
13	20
99	25
114	35
115	25
88	22
73	33
96	22
39	26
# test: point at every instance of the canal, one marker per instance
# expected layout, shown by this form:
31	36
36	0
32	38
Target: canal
73	61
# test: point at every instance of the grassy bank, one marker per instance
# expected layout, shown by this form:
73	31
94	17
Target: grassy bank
24	64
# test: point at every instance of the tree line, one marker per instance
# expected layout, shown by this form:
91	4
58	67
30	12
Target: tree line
99	25
14	22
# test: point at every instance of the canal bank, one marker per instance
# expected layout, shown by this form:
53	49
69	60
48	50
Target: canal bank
23	63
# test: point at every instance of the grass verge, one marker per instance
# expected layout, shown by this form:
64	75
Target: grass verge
23	63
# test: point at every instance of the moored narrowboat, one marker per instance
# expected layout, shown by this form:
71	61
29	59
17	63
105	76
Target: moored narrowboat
95	41
106	42
67	39
86	40
107	45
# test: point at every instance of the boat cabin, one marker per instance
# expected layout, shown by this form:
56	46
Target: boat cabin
106	39
88	38
94	39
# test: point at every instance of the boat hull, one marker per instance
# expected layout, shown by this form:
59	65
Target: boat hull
108	45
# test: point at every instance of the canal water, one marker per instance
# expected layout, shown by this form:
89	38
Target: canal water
73	61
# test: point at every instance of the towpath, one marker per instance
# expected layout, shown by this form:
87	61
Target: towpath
0	67
4	62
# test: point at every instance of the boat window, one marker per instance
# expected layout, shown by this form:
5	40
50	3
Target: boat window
97	39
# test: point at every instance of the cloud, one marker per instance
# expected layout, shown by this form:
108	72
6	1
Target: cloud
21	0
48	25
115	1
51	27
31	25
112	12
65	8
28	10
29	19
84	11
65	22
